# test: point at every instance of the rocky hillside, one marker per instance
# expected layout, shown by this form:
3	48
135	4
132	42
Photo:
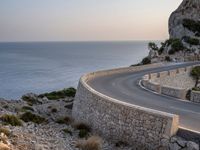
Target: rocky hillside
184	24
184	35
185	21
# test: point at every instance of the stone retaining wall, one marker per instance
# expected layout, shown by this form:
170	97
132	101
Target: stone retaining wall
120	121
174	92
195	96
174	83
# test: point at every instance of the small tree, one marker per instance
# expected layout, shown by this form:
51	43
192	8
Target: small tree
153	46
146	61
195	73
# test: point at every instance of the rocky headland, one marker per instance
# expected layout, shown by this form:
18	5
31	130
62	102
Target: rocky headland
184	36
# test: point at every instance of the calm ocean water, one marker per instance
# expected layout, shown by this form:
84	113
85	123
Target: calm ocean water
43	67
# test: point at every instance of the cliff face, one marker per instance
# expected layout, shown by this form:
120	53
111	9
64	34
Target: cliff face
185	21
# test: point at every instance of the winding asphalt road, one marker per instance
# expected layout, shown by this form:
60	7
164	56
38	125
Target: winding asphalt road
125	87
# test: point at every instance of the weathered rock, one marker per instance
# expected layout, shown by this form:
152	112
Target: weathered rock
184	24
189	9
174	146
192	146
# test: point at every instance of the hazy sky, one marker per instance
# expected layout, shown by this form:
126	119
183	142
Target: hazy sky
72	20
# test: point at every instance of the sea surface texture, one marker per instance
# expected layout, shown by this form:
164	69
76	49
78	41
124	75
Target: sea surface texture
44	67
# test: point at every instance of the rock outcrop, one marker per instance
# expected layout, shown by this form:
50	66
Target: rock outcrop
188	10
184	34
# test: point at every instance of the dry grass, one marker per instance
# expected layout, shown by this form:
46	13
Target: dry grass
5	131
11	119
92	143
65	120
4	146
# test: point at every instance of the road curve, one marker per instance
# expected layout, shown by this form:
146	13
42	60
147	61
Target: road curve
125	87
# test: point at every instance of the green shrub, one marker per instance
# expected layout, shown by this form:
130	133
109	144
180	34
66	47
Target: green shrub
167	58
191	41
69	92
192	25
31	100
11	120
5	131
121	144
27	108
171	52
30	117
69	106
5	106
82	126
196	89
177	45
195	73
153	46
67	131
65	120
146	61
188	94
83	133
54	110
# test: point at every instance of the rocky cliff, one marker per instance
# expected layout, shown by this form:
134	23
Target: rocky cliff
185	21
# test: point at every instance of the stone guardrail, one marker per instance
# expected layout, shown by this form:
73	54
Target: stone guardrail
148	81
119	121
195	96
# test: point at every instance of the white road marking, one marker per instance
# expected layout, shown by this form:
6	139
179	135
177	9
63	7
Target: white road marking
140	84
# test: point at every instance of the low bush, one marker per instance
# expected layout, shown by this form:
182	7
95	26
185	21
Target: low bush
171	52
121	144
146	61
195	73
30	117
69	106
188	94
56	95
54	110
5	131
177	45
167	58
82	126
92	143
83	133
196	89
11	120
31	100
27	108
191	41
5	106
192	25
67	131
65	120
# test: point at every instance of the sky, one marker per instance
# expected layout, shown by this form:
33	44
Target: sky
85	20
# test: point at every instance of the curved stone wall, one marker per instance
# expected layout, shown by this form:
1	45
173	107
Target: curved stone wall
120	121
173	83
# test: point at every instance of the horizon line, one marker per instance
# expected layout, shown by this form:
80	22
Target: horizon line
80	41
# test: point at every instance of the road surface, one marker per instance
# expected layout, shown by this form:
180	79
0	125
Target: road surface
125	87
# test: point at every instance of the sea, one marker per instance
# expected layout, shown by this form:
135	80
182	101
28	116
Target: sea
40	67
